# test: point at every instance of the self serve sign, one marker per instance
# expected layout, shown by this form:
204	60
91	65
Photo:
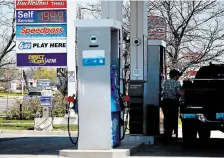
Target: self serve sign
25	16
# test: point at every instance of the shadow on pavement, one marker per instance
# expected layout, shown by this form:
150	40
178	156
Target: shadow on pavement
213	148
35	145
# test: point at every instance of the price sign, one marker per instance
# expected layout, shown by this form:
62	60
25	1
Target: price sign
51	16
41	16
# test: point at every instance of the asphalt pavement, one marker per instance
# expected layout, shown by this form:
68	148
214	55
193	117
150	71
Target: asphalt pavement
31	144
212	148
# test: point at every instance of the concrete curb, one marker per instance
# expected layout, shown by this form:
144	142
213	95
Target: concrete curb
126	149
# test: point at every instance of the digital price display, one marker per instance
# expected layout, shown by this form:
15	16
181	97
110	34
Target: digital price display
51	16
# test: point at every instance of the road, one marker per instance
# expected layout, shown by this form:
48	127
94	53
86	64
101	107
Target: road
3	103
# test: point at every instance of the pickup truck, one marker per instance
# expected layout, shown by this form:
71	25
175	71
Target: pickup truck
202	103
33	93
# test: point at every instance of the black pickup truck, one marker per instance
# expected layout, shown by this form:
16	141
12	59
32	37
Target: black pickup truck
202	103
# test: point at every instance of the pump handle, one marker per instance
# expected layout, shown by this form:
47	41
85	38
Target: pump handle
71	99
126	98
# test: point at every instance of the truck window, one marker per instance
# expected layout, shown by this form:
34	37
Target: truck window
34	94
210	72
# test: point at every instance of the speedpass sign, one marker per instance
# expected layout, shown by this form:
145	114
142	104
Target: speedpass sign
41	16
41	31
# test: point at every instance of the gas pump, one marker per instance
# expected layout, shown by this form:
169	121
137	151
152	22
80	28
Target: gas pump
99	47
145	96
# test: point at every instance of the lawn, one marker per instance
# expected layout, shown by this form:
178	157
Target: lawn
2	120
29	125
3	94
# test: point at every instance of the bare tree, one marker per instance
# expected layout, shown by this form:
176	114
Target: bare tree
7	33
62	84
195	31
89	10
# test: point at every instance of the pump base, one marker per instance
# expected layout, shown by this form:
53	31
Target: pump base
140	139
126	149
43	124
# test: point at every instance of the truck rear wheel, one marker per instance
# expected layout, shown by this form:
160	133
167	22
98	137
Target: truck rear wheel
189	131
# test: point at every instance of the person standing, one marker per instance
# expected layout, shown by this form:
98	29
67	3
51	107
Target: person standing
170	103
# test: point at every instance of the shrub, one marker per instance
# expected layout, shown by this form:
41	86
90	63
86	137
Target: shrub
32	106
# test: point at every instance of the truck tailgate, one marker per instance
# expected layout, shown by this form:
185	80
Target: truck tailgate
210	99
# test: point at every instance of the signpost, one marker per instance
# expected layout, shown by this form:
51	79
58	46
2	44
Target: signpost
41	37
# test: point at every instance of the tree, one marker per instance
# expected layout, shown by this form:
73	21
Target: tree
63	82
9	74
195	31
7	33
45	73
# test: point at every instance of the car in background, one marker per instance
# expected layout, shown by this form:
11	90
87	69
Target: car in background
33	93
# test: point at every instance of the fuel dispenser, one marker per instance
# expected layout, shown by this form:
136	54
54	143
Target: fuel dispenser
99	47
145	96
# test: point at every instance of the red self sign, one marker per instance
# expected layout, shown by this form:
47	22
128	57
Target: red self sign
40	4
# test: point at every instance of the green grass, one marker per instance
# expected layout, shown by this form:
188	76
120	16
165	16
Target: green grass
31	127
65	127
2	120
3	94
16	126
2	113
28	125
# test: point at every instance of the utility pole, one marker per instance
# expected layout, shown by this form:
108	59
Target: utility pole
7	89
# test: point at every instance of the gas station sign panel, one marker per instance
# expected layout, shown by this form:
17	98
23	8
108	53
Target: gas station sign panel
41	16
43	46
40	4
42	59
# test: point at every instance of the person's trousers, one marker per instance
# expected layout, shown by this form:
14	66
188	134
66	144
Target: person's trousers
170	112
